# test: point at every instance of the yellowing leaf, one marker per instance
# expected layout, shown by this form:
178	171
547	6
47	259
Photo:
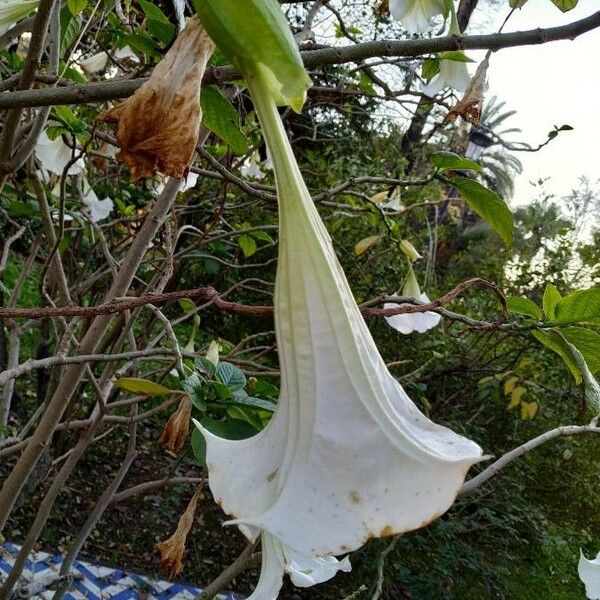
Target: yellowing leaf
509	385
364	244
379	197
136	385
409	250
515	397
528	410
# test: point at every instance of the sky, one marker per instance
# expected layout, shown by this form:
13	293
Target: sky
551	84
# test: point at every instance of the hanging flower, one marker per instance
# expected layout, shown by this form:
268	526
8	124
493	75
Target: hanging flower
416	15
346	450
470	105
452	74
409	322
172	549
98	209
54	155
589	573
158	127
12	11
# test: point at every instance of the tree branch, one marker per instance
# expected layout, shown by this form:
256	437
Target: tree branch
110	90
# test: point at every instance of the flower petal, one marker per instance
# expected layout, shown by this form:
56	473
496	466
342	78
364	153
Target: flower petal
346	450
589	573
54	155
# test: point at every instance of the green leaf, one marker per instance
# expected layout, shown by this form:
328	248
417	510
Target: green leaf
186	305
199	447
585	340
76	6
142	42
153	12
219	115
490	207
550	300
256	37
591	386
430	67
241	398
193	386
264	388
582	306
230	376
164	32
248	245
445	161
230	429
455	55
524	306
136	385
262	236
69	29
553	341
565	5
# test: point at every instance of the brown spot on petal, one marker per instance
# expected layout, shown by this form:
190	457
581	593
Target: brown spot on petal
386	531
172	549
158	127
272	475
354	497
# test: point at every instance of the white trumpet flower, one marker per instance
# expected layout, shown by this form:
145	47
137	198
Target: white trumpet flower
416	16
98	209
347	456
589	573
409	322
54	155
453	74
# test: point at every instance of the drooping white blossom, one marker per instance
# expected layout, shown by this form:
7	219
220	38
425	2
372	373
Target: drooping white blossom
98	209
589	573
453	74
416	16
347	456
410	322
55	155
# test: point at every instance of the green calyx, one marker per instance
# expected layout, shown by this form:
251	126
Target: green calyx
256	38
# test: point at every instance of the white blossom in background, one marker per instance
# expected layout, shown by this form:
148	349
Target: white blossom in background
94	63
410	322
98	209
54	155
347	456
453	74
416	16
589	573
253	168
12	11
187	184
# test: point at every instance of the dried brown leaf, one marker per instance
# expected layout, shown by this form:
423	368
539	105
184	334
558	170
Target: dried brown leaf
172	549
469	107
177	427
158	127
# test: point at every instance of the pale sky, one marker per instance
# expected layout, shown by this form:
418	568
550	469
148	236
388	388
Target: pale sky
551	84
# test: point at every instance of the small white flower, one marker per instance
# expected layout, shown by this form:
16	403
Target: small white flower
452	74
419	322
126	53
253	168
12	11
54	155
416	15
99	209
187	184
589	573
94	63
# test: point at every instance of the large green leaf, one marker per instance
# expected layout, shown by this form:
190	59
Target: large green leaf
585	340
550	300
445	161
489	206
256	37
221	118
524	306
143	386
582	306
231	376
